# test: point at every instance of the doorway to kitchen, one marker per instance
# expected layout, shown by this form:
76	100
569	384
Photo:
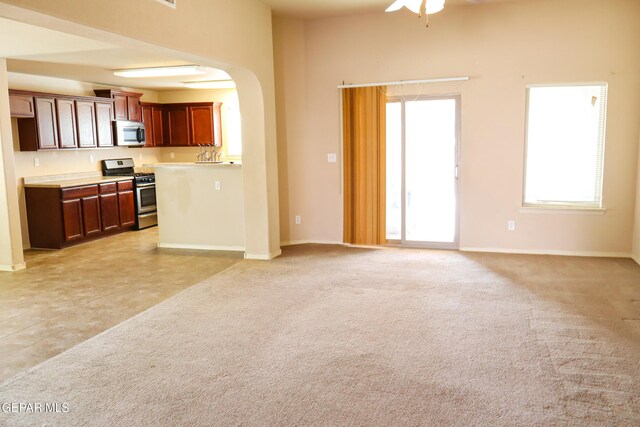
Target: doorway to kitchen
422	152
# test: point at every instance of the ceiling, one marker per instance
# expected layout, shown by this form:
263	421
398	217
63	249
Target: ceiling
78	58
323	8
34	50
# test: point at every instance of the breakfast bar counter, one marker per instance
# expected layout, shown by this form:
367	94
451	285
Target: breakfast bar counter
200	206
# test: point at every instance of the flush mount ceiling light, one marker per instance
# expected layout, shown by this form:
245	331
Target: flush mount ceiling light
421	7
181	70
211	84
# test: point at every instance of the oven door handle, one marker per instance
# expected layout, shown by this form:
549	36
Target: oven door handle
146	185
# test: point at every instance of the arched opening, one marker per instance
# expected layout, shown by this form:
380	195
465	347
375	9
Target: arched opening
259	185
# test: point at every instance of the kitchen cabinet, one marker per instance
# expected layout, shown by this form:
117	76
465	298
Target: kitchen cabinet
61	121
41	132
21	105
104	129
66	123
177	125
193	124
49	121
201	121
91	216
152	119
61	217
72	217
81	210
109	211
86	120
158	125
126	104
126	208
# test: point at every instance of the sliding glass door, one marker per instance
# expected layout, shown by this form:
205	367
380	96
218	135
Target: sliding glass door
422	162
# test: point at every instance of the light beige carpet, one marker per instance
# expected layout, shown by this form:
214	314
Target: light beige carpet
336	336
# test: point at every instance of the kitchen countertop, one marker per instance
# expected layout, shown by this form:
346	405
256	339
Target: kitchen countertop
65	183
195	165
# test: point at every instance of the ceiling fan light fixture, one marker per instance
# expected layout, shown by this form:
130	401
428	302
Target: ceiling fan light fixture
434	6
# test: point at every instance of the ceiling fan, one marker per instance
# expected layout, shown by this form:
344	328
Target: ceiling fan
422	7
418	6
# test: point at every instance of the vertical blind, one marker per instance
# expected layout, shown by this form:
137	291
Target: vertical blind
364	135
565	145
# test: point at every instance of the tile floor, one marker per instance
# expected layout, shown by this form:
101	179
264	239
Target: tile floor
68	296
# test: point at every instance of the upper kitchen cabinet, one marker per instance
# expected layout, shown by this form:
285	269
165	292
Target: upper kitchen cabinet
193	124
126	104
50	121
67	136
40	132
178	132
104	130
21	106
152	119
86	120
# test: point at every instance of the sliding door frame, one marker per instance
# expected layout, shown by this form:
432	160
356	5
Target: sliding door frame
403	242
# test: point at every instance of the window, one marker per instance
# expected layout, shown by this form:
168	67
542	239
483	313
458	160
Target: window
565	145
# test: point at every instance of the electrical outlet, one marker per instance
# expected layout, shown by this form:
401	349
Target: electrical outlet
298	220
332	158
217	185
90	158
511	225
172	155
36	162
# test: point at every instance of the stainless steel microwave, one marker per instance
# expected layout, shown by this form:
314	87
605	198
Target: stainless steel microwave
131	134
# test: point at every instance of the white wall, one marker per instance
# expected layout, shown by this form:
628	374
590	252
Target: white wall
503	47
11	257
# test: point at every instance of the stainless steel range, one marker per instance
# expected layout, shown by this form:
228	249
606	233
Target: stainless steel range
144	188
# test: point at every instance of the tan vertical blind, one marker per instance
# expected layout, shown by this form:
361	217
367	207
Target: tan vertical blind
364	127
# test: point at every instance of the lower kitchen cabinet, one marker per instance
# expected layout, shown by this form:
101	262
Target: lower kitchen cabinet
109	212
91	216
61	217
72	217
126	204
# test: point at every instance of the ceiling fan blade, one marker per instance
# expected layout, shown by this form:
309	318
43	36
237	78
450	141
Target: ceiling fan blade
412	5
397	5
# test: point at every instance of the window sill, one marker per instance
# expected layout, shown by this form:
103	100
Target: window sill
551	209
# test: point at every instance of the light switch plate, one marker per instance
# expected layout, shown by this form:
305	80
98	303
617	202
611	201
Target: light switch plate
511	225
217	185
36	162
332	157
172	155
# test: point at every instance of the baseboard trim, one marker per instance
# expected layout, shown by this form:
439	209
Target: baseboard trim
310	242
263	257
201	247
549	252
12	268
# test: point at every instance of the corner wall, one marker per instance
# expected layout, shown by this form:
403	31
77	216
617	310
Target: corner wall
502	47
636	227
11	256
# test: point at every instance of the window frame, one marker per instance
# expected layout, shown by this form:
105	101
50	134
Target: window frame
565	205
